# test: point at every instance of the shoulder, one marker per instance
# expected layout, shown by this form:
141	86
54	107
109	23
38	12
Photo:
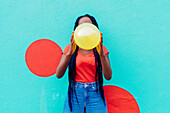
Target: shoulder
105	50
104	47
66	48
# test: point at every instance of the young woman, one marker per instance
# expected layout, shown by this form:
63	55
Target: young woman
85	91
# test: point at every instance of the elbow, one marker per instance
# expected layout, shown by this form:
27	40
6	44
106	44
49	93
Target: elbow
58	76
109	76
59	73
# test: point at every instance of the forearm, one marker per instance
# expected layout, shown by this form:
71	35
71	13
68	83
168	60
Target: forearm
106	68
63	66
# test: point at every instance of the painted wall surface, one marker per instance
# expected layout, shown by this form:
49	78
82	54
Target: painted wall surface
136	33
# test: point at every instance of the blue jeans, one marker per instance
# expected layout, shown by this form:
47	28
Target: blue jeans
88	99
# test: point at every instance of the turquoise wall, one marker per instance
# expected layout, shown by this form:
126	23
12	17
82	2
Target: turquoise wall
136	32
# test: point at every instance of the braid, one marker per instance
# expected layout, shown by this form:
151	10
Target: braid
96	64
99	74
72	75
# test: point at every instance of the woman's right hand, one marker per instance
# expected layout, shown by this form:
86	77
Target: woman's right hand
70	51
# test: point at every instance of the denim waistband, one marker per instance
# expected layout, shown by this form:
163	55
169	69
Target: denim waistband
80	84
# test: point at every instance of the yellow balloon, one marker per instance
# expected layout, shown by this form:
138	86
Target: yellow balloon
87	36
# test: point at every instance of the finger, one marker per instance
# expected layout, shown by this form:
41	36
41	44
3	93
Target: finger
101	40
72	41
101	35
72	32
101	43
101	46
72	37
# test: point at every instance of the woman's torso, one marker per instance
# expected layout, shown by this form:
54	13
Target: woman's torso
85	64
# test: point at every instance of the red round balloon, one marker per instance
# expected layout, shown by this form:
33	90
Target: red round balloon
42	57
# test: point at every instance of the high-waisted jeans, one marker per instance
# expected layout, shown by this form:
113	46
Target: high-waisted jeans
88	99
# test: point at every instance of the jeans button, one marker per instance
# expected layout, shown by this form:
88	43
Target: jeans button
86	85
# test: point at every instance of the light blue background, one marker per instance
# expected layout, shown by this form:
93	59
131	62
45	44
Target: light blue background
136	32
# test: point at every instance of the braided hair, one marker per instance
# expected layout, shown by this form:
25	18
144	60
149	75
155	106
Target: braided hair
72	68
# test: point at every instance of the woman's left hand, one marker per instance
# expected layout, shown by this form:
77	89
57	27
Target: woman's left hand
101	53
